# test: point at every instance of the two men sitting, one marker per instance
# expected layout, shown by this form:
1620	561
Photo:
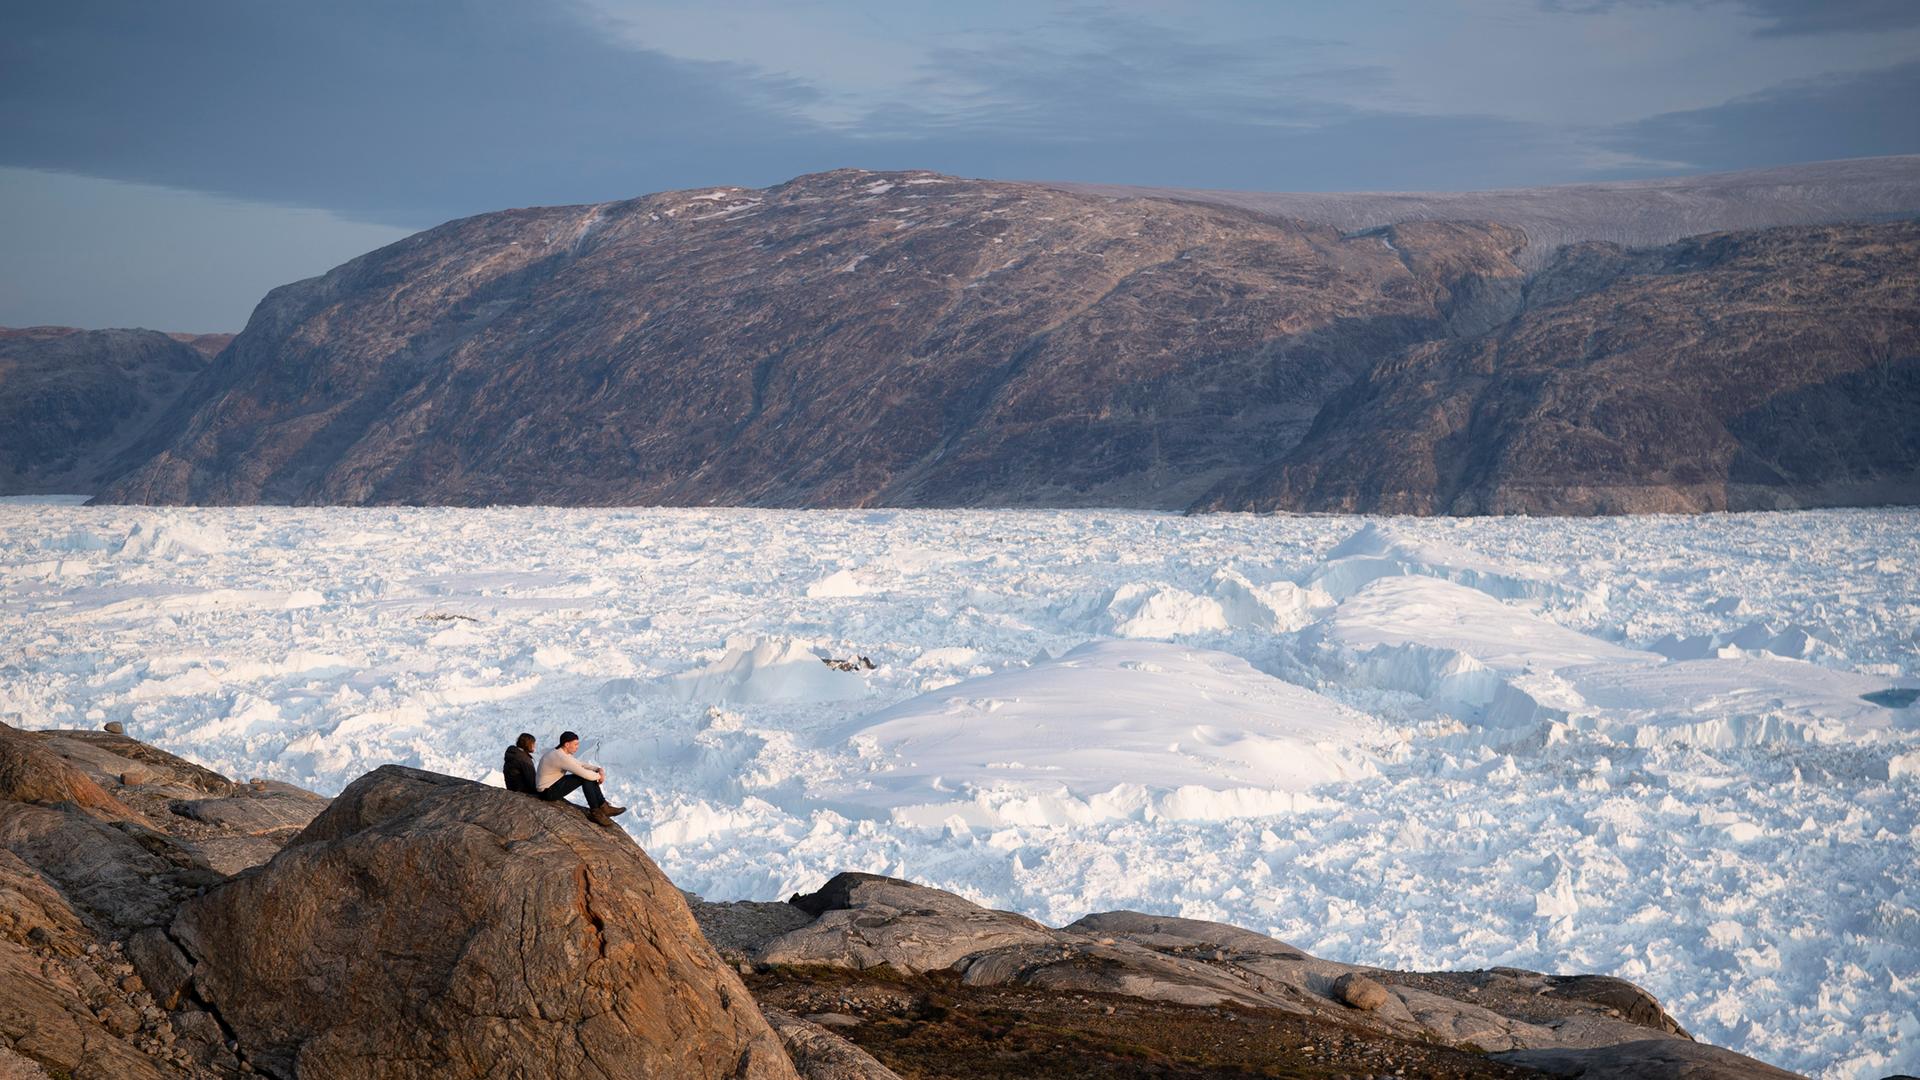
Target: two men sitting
558	775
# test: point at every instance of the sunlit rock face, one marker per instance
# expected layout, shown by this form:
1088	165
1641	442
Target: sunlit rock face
847	338
909	339
1760	370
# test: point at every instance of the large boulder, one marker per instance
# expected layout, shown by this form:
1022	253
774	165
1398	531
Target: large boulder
425	926
866	920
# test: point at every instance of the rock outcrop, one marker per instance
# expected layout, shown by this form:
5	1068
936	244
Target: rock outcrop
424	926
160	920
1647	1057
93	861
867	923
819	1054
72	401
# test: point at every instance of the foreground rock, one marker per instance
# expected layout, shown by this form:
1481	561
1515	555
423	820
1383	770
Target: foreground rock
862	933
425	926
420	925
819	1054
93	861
1648	1057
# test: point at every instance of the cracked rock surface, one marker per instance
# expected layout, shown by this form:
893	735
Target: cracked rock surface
429	926
91	864
924	956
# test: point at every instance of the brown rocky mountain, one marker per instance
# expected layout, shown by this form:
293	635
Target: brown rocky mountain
844	339
72	400
855	338
158	920
1757	370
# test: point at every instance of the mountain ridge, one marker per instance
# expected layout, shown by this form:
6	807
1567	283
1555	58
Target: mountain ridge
72	400
855	338
1663	209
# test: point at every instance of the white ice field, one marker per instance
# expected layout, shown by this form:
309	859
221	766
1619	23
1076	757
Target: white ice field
1653	747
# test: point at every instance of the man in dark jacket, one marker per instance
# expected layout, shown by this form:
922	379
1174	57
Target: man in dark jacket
518	766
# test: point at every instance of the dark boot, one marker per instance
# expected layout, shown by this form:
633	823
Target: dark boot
611	810
599	816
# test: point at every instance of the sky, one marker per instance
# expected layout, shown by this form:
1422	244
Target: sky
165	164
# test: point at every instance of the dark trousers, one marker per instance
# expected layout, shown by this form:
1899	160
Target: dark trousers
566	785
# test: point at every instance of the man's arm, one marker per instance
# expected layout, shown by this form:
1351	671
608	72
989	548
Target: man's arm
580	768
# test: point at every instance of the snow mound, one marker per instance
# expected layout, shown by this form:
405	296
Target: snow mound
1438	614
1375	552
172	539
1470	655
1112	729
1151	609
1733	702
1155	609
763	671
1794	642
844	583
1275	607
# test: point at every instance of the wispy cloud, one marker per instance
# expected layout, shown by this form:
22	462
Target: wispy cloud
1856	115
411	113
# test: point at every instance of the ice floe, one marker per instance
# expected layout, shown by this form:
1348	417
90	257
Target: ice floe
1110	729
759	672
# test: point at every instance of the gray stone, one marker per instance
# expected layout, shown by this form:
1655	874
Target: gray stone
256	813
127	876
737	928
865	920
1647	1059
819	1054
161	964
1360	992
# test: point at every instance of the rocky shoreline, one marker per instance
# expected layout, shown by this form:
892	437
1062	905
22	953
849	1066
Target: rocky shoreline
160	920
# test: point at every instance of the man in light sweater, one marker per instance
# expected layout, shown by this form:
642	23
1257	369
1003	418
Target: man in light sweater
561	773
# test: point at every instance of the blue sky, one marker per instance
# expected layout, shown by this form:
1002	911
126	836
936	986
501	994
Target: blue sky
164	164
